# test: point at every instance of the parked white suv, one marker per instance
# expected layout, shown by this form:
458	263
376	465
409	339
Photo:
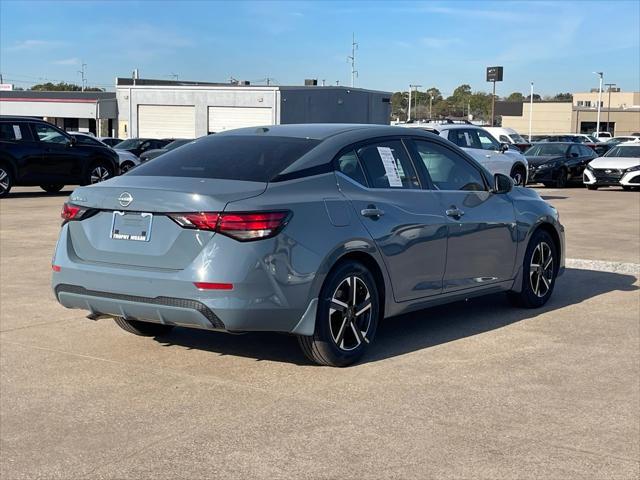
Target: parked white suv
481	145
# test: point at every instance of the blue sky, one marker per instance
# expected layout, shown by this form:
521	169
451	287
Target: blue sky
557	45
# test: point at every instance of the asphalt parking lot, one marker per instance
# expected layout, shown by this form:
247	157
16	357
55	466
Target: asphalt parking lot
470	390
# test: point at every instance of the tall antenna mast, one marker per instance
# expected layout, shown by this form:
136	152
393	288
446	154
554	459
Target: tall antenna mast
82	73
352	59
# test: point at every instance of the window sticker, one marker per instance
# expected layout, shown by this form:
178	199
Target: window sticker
16	132
390	167
467	139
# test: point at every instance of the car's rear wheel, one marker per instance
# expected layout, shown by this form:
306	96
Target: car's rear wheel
98	172
6	181
52	188
144	329
538	271
592	187
346	319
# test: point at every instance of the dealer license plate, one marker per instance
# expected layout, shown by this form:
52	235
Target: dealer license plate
133	226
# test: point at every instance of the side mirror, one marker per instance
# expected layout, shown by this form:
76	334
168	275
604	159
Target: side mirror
504	147
502	183
72	141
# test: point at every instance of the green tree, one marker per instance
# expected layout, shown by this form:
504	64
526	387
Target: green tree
515	97
62	87
562	97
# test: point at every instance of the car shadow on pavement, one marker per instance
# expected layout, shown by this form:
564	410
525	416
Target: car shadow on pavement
418	330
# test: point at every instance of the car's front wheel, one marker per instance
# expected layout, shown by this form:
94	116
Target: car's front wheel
592	187
346	319
144	329
539	271
519	175
52	188
126	166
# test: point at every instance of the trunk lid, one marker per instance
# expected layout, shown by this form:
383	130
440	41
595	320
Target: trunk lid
167	245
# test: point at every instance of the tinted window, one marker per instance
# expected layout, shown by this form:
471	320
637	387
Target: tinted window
504	139
545	149
388	165
232	157
129	143
49	134
350	166
473	138
86	140
447	169
586	151
12	131
177	143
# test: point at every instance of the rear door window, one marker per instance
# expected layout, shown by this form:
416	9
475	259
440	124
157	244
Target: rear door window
387	165
232	157
49	134
14	132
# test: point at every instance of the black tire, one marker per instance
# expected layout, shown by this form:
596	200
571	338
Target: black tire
335	341
144	329
627	188
98	172
6	180
563	178
545	279
52	188
519	175
592	187
548	185
126	166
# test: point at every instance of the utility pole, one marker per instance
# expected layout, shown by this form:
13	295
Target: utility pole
530	111
609	86
411	87
82	73
493	104
352	59
430	107
600	74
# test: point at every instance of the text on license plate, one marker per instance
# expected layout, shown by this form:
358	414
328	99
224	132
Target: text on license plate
133	226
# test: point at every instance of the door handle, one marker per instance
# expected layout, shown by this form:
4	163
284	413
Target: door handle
371	211
454	212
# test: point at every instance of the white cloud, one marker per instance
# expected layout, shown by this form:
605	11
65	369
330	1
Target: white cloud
67	61
33	45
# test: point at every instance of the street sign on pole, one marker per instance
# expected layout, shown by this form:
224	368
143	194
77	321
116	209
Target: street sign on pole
494	74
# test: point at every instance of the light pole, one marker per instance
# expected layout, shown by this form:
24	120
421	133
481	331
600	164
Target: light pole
430	107
600	74
530	111
411	87
609	86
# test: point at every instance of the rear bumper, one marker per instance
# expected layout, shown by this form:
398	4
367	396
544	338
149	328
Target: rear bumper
265	297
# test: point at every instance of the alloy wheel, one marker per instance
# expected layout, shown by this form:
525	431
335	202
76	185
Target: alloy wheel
4	181
99	174
350	314
541	269
518	178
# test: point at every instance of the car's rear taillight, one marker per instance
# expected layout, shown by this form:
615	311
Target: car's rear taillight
242	226
72	212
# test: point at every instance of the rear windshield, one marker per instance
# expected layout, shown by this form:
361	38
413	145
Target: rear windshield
234	157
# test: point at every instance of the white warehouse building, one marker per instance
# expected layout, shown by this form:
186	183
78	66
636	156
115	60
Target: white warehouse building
179	109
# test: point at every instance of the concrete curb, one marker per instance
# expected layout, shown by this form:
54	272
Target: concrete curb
604	266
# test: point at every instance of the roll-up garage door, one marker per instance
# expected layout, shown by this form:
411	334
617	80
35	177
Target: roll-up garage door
228	118
166	121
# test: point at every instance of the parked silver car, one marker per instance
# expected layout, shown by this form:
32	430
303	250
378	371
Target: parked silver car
315	230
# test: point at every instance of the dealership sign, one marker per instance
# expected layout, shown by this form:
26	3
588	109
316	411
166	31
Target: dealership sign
494	74
6	87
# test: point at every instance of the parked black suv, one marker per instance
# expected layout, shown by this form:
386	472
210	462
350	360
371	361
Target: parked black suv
34	152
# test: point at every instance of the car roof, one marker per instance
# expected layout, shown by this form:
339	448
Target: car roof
316	131
16	118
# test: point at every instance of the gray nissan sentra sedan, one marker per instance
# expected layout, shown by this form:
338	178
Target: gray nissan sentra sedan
320	231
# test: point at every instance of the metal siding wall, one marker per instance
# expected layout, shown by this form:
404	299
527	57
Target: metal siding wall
228	118
163	121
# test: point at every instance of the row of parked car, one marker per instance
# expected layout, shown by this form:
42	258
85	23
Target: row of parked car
36	153
553	160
